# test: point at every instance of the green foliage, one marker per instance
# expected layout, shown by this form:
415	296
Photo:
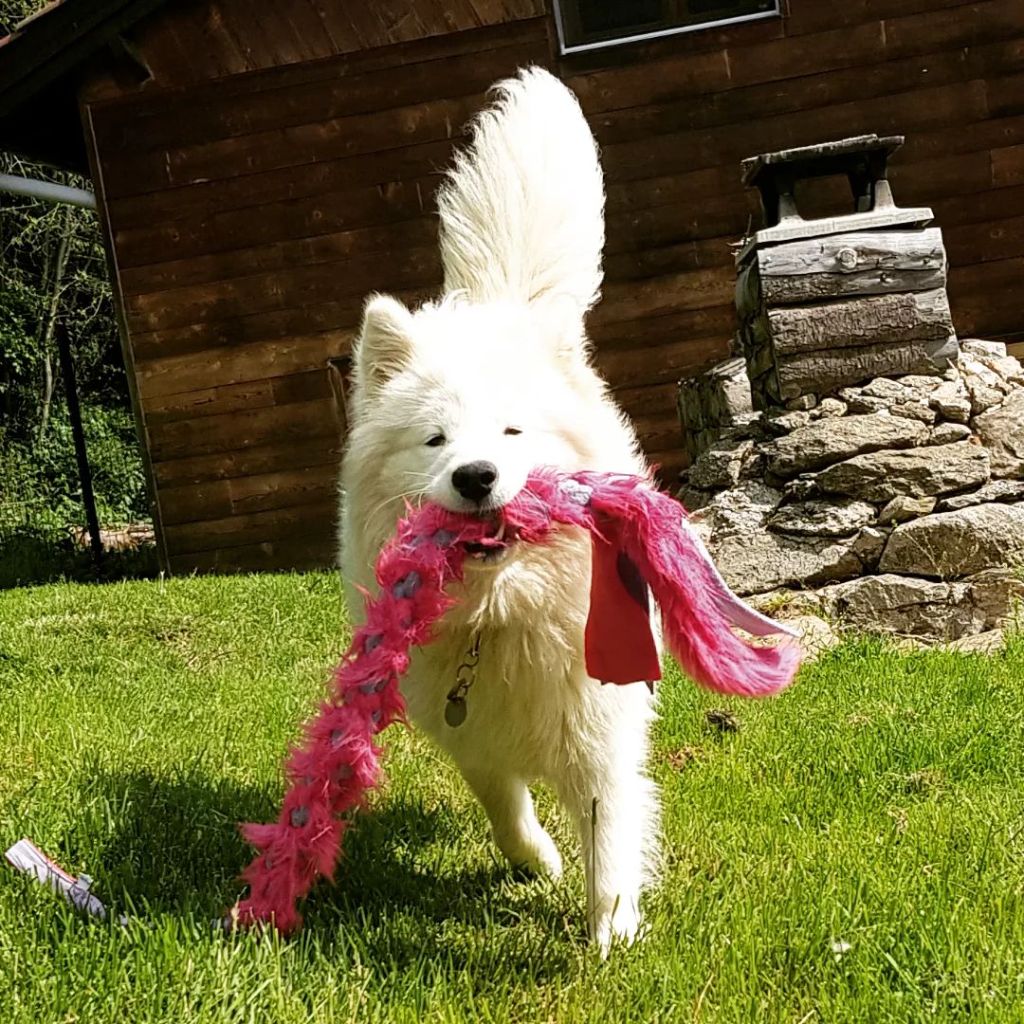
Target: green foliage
33	281
13	11
53	283
853	855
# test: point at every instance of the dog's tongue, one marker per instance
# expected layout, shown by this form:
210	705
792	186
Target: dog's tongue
618	641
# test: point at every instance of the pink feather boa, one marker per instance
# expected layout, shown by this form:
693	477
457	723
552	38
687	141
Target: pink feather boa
337	762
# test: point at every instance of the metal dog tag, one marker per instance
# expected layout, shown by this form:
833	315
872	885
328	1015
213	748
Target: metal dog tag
455	712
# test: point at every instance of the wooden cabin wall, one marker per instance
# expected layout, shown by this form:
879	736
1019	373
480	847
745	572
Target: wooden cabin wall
250	214
249	217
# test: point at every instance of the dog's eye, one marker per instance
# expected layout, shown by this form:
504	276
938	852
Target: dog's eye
436	441
513	431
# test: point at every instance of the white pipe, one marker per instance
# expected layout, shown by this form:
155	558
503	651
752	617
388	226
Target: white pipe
47	190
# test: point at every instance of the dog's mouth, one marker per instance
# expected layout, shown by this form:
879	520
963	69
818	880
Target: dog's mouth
492	549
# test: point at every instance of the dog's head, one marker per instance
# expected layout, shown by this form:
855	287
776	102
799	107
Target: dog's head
457	401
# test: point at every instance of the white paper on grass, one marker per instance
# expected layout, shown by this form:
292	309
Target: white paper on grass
26	857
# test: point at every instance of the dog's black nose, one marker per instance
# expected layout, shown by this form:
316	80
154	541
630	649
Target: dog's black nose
474	480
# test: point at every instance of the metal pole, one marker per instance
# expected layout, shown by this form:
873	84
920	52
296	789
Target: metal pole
47	190
67	369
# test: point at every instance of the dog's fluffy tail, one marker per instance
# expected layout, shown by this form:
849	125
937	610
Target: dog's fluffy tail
522	210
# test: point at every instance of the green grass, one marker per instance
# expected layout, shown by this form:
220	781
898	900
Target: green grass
879	803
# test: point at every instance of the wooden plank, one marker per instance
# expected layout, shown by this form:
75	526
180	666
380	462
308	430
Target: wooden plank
803	19
217	499
327	317
659	260
656	400
822	86
166	95
909	112
260	459
979	207
971	293
609	335
989	240
697	219
863	263
1008	166
336	247
643	82
825	370
274	357
695	289
329	139
367	179
246	429
939	29
871	320
308	551
658	364
315	522
283	288
268	106
230	398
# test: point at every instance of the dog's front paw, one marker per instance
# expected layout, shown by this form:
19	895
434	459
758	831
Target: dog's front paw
536	854
619	924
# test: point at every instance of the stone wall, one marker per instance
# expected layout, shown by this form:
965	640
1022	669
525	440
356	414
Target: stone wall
897	505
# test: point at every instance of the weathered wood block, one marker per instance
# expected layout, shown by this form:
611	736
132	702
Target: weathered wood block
712	401
819	314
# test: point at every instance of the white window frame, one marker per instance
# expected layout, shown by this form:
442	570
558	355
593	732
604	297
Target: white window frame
657	33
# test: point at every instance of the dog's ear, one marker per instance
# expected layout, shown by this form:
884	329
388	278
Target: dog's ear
385	345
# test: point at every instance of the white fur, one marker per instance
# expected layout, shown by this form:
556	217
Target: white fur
522	230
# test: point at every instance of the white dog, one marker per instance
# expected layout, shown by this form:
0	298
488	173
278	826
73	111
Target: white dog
455	402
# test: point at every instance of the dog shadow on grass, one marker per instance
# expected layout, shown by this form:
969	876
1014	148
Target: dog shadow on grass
172	847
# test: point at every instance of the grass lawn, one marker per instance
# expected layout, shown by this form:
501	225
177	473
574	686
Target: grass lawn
854	853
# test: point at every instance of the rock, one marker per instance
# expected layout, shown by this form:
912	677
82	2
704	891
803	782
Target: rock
869	545
985	387
801	489
741	510
978	347
711	402
721	465
902	508
857	403
785	603
956	544
753	562
1007	367
997	595
828	408
882	475
951	401
786	422
914	411
692	498
947	433
991	642
902	605
1001	430
983	398
822	518
802	403
816	635
921	384
886	389
995	490
826	441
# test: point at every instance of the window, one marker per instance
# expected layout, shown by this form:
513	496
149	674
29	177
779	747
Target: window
590	24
